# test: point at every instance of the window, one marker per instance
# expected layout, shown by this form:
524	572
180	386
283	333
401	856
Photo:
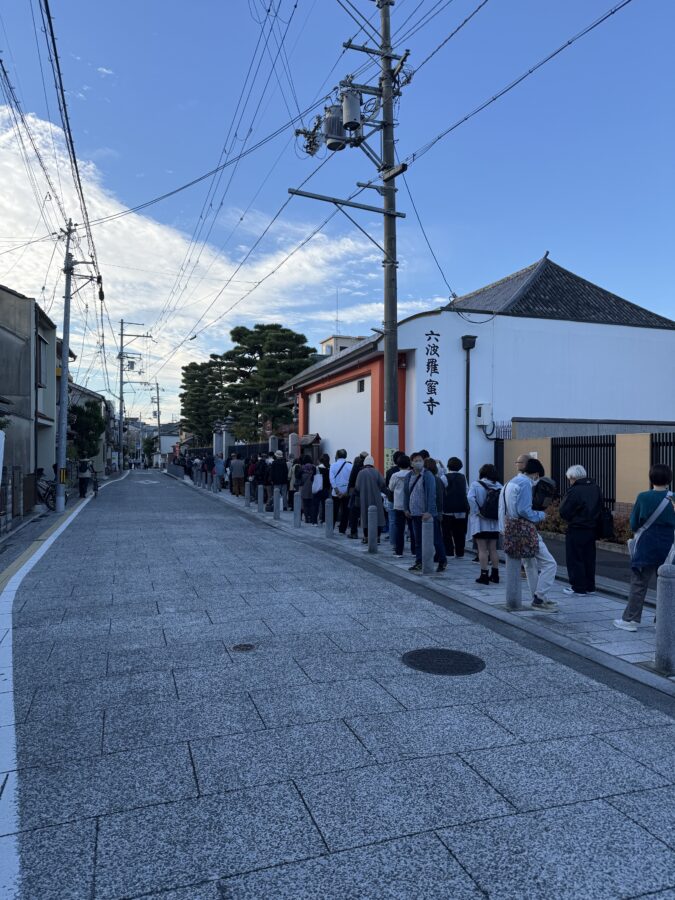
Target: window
41	361
360	385
318	398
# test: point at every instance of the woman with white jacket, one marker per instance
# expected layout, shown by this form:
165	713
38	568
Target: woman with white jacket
483	500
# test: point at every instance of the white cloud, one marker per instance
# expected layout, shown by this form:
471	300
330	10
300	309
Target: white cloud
103	72
139	259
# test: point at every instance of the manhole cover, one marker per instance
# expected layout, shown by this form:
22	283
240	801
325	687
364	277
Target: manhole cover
242	648
440	661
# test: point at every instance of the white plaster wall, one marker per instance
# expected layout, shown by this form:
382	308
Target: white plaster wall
342	418
534	368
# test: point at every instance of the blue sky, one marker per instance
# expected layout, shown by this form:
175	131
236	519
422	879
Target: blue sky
577	160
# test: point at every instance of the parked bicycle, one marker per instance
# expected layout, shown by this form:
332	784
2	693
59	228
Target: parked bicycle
46	490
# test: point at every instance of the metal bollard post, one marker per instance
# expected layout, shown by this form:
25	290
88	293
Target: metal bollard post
665	620
372	529
328	516
261	498
514	584
247	494
277	503
427	547
297	509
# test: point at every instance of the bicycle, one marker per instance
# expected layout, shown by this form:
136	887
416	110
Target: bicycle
46	491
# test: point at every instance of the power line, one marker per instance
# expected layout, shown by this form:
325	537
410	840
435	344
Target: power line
418	154
450	36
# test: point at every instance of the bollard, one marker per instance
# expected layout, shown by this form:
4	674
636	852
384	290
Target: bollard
277	503
665	620
247	494
297	509
328	517
514	584
372	529
261	498
427	546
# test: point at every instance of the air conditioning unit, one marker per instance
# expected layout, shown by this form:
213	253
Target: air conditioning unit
484	415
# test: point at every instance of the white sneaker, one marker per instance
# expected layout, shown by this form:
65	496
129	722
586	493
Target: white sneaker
569	590
625	626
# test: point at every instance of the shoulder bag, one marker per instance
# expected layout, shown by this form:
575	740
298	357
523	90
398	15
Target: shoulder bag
632	543
521	540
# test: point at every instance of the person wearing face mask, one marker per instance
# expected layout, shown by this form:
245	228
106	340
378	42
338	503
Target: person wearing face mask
516	503
421	506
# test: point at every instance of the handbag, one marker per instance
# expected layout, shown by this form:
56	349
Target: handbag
521	540
317	483
632	543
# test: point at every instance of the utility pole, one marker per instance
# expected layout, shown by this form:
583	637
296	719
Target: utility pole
62	434
159	425
122	357
352	123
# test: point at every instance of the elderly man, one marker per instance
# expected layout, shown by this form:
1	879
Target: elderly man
581	508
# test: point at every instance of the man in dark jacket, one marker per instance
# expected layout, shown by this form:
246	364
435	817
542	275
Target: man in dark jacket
455	509
581	508
279	476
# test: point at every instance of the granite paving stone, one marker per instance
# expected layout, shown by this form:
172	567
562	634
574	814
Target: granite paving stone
380	802
300	644
655	811
96	786
588	851
180	843
398	638
316	702
427	732
548	679
264	672
551	773
419	690
163	659
414	868
340	666
101	693
209	890
237	761
51	740
181	720
310	624
653	747
544	718
52	863
232	632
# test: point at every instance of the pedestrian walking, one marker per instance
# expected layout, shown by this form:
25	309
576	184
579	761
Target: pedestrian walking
517	521
279	477
420	504
369	487
653	523
455	509
483	500
338	475
440	555
581	508
84	472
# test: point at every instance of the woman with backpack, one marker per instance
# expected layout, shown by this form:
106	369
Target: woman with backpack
483	500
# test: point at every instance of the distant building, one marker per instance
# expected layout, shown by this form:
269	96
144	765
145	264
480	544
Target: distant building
338	343
547	353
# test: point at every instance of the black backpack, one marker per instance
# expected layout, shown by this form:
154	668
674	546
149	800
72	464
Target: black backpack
83	467
605	527
489	508
543	493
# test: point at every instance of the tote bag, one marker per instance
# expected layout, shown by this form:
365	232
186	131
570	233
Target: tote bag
521	540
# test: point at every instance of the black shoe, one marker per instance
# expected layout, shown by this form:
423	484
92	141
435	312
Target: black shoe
494	576
441	567
417	567
483	578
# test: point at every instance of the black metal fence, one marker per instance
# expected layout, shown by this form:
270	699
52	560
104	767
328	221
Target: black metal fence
245	451
596	453
663	449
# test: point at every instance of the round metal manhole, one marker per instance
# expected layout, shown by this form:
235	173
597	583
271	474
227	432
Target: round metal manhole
441	661
242	648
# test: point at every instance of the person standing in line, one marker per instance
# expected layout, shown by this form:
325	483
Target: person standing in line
397	517
455	510
420	504
440	556
653	511
197	470
354	504
581	508
188	467
320	496
218	473
237	475
338	475
389	499
369	487
279	477
307	473
483	499
516	503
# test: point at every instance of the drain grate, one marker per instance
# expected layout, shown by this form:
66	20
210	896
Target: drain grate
243	648
441	661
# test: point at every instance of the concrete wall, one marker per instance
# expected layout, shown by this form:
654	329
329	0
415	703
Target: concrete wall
633	455
513	449
342	418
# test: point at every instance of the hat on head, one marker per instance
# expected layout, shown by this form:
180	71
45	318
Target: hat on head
364	453
278	454
369	461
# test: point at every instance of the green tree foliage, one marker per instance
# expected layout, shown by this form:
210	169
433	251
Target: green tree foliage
87	424
149	445
244	381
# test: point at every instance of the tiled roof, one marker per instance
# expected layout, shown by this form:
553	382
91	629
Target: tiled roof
547	291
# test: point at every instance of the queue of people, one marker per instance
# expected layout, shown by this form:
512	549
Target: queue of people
418	488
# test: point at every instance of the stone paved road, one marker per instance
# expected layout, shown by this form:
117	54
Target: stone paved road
152	758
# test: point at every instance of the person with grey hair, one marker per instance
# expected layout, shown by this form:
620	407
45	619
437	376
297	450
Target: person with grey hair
581	508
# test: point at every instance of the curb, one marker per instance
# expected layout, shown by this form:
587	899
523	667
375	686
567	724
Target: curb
643	676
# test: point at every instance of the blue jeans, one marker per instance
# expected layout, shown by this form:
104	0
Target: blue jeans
439	547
